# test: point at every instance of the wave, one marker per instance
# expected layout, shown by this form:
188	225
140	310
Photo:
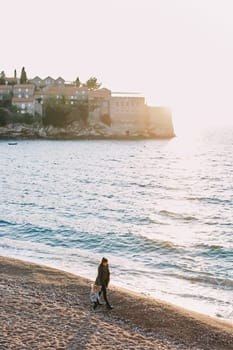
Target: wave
177	216
32	234
142	185
215	251
195	296
212	247
146	220
209	200
114	160
142	245
196	198
6	223
125	243
223	283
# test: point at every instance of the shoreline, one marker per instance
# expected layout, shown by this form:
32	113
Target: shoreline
84	137
40	302
83	132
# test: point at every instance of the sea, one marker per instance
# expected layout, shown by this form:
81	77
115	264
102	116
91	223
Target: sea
161	211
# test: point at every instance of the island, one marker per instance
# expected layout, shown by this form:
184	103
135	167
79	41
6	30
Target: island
53	108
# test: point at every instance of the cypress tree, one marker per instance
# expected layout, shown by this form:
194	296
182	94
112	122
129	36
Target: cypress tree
23	76
2	78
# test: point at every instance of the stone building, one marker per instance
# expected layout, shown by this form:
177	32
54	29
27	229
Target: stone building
24	100
128	112
99	105
70	93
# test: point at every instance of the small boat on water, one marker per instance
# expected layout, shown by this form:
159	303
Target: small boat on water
12	143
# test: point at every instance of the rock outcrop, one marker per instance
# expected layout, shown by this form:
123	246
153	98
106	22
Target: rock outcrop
79	130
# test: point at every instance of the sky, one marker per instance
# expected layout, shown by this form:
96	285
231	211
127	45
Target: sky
177	53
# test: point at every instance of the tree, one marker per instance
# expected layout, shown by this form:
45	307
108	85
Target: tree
60	113
77	82
2	117
79	112
23	77
92	84
56	112
2	78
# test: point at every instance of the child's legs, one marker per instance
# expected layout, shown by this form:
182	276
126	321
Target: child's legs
95	304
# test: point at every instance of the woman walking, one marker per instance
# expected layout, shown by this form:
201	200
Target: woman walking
103	279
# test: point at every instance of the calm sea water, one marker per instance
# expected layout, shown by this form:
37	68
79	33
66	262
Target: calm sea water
160	210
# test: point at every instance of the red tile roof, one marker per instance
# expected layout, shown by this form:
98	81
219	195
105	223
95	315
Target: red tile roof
60	91
23	100
99	93
11	79
24	86
6	87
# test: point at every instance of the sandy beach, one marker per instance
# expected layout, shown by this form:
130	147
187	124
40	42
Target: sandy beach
45	308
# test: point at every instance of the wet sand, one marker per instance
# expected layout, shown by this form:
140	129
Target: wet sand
44	308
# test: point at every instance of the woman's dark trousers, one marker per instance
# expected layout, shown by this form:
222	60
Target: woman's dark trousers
104	290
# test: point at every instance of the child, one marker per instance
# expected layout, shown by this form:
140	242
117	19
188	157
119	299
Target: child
94	296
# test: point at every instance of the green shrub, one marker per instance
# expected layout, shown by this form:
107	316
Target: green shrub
2	117
60	113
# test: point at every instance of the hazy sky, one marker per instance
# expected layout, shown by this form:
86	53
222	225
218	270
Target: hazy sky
178	53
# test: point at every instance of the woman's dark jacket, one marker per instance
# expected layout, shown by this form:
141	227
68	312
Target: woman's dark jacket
103	277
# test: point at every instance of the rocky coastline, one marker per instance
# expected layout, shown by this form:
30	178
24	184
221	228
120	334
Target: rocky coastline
77	131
